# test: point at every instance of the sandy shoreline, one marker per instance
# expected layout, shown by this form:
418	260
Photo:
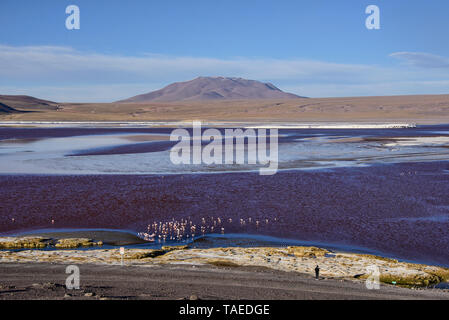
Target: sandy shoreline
44	247
181	282
344	272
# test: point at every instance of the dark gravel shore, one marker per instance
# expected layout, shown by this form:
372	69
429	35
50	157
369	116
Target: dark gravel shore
47	281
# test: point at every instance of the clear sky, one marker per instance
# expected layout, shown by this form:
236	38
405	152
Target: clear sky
315	48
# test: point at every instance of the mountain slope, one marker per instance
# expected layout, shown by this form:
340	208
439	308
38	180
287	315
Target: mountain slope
27	102
214	88
7	109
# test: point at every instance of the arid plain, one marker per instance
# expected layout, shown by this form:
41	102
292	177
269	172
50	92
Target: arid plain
421	109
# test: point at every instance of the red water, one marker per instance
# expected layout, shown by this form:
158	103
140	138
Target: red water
398	209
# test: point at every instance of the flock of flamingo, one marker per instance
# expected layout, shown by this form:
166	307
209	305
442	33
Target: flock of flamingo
186	229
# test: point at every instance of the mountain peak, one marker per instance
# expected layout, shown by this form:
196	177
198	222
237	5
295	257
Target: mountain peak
213	88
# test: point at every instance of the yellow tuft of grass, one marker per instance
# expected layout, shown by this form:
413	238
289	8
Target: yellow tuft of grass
420	280
172	248
75	243
24	243
309	252
371	256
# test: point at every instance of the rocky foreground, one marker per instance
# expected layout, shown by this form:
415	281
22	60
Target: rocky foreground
334	265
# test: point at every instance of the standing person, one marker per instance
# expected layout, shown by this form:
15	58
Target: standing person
317	272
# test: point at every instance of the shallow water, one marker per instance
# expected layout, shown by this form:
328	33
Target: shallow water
110	151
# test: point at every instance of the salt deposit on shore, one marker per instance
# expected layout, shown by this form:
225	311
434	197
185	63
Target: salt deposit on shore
418	141
262	125
330	125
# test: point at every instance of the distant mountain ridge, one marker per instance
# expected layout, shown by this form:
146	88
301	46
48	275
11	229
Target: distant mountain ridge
213	88
27	102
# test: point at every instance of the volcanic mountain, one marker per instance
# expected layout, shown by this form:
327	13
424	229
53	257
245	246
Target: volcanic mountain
213	88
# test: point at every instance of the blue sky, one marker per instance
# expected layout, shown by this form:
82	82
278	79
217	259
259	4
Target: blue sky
316	48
